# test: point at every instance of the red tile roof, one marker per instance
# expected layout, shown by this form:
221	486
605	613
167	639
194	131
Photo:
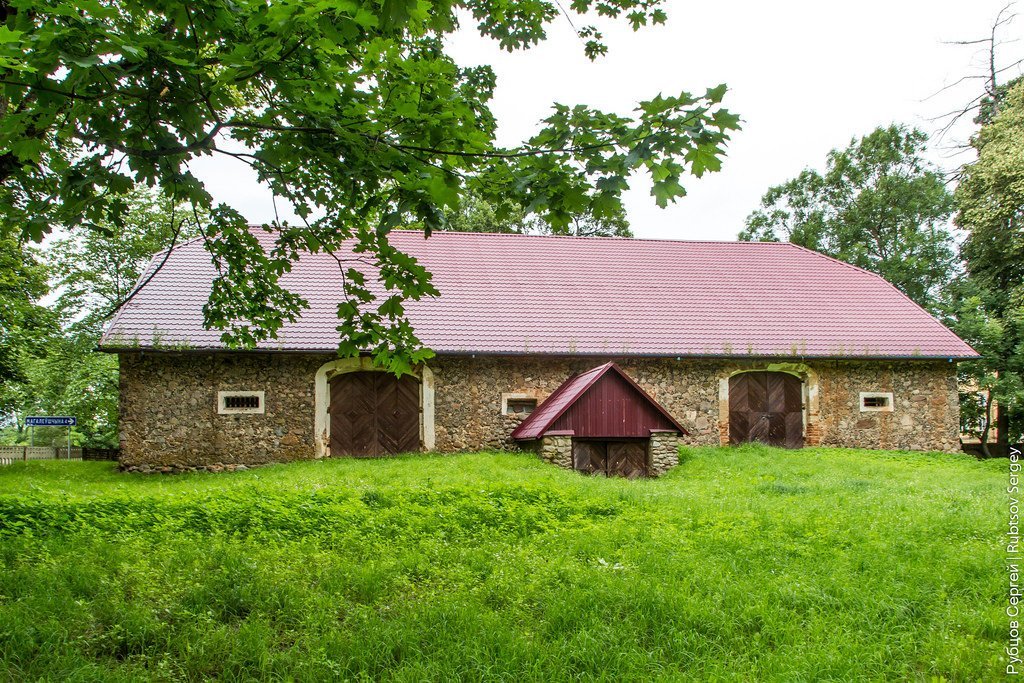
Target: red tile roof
562	399
525	294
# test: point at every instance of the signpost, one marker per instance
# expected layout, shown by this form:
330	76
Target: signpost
68	421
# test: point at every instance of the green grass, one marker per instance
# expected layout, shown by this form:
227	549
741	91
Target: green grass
741	564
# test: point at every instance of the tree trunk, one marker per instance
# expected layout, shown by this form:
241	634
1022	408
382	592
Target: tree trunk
983	438
1003	429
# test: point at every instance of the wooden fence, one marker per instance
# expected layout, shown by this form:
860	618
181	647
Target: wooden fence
9	454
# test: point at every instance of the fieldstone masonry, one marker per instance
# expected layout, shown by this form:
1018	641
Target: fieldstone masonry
662	452
556	449
168	410
169	414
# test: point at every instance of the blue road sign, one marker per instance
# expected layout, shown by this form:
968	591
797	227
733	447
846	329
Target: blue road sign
51	421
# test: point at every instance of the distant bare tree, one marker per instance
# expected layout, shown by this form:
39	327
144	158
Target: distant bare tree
996	77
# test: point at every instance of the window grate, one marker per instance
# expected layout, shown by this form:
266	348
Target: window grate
239	402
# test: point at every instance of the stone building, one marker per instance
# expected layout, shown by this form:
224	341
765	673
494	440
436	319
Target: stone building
734	341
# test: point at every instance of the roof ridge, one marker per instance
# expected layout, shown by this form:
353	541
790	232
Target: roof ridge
528	235
585	238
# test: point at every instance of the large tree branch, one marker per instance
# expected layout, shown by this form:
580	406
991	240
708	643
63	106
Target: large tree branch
205	142
530	152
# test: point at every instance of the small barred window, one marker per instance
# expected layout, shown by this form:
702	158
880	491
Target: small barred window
520	406
235	402
875	401
241	401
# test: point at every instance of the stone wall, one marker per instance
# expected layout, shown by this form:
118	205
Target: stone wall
556	449
468	391
168	411
169	402
662	452
925	415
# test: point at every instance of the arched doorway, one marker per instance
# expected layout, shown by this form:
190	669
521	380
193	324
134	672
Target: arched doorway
340	404
373	414
766	407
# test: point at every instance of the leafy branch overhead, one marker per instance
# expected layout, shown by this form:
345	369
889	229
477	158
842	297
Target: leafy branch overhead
351	111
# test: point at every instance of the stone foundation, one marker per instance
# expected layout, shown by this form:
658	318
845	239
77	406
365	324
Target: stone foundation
556	450
169	416
186	469
662	452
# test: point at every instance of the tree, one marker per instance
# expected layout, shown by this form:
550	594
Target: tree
24	323
72	378
97	270
983	105
990	105
478	215
990	202
879	205
92	272
349	110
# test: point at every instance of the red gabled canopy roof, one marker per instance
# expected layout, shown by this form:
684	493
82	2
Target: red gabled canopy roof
541	420
529	294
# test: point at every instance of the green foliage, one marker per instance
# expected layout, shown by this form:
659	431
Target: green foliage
990	104
96	270
24	322
475	214
823	564
93	272
71	378
879	205
990	300
352	112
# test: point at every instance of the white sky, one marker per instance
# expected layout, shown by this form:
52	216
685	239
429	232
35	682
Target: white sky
804	76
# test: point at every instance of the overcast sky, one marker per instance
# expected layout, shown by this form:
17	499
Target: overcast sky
805	77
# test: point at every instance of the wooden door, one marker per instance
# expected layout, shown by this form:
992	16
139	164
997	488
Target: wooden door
627	459
766	407
610	458
590	456
374	413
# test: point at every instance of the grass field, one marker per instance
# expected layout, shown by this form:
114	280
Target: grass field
742	564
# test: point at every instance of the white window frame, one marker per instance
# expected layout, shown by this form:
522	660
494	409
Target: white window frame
887	408
506	397
222	408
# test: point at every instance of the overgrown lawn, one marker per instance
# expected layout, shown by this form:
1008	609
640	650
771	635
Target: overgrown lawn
747	563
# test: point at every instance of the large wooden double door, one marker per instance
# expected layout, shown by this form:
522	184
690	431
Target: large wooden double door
374	413
766	407
612	458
